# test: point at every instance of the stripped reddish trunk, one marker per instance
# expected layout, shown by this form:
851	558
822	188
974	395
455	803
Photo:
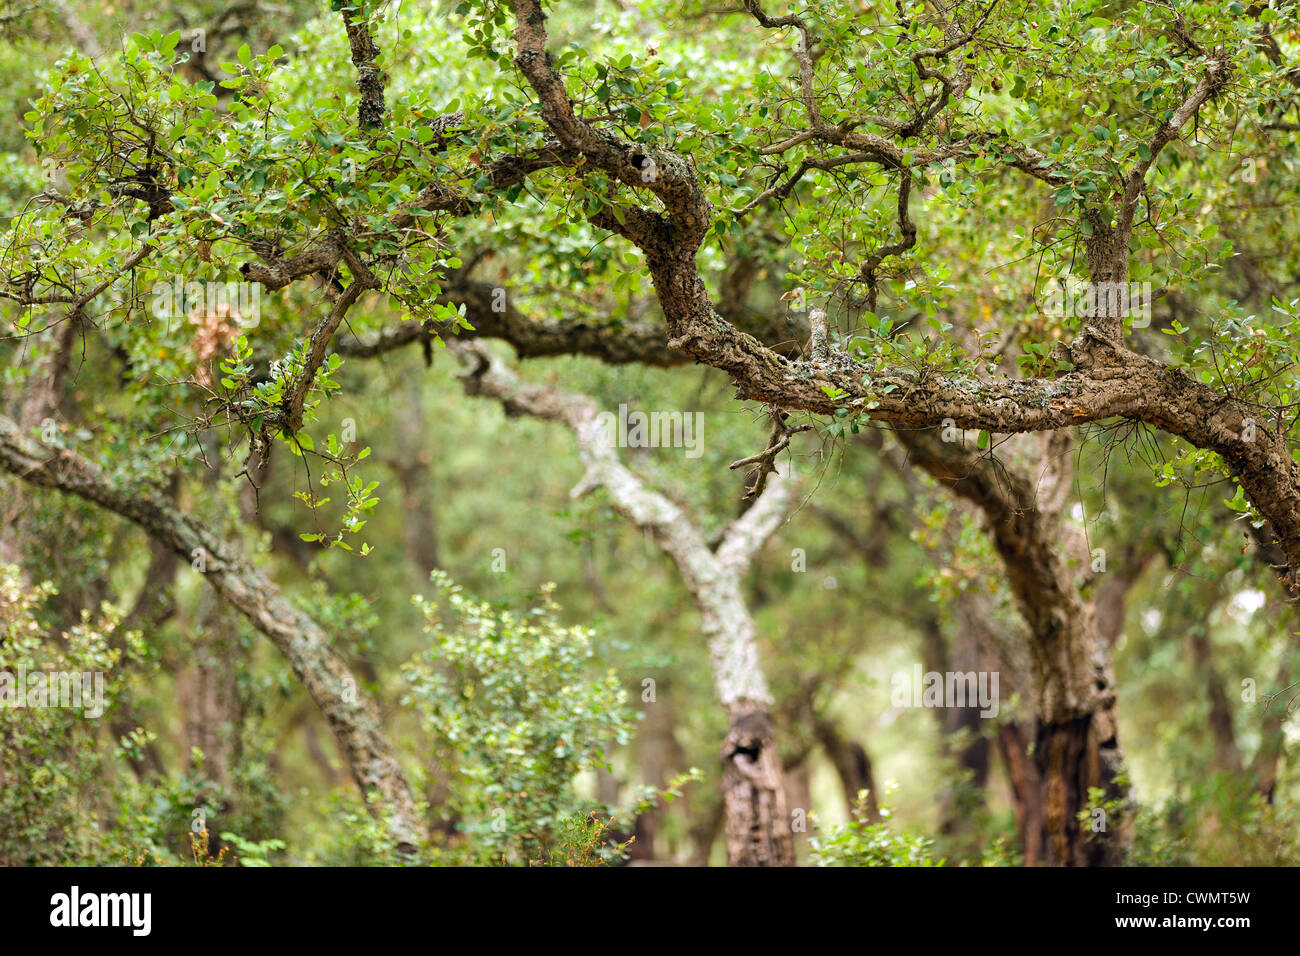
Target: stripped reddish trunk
1076	741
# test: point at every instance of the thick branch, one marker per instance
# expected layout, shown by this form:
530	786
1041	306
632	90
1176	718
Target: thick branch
351	713
713	579
370	82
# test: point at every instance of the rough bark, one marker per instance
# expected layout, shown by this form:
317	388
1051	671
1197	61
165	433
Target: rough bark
1076	746
758	833
370	82
757	825
1027	791
972	640
1107	379
351	714
617	338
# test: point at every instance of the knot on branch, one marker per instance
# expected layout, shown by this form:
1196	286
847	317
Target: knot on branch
474	365
765	461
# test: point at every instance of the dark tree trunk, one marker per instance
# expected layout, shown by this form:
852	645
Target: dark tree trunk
1226	755
209	698
1272	739
798	798
1077	744
1073	757
1026	792
963	727
704	832
415	472
852	765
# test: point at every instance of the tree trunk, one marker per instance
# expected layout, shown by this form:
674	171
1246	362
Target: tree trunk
798	799
1226	754
415	473
1272	739
1072	757
704	832
852	766
1026	791
39	401
352	715
758	832
964	742
209	696
1077	745
757	826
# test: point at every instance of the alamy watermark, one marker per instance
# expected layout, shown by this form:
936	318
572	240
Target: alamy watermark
1113	300
652	430
41	689
949	689
130	910
238	301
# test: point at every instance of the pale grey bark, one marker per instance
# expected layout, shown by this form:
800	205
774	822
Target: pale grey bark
757	826
712	576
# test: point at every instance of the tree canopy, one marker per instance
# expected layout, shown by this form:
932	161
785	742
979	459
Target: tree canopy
992	307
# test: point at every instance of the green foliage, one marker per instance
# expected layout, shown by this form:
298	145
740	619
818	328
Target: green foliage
513	697
53	772
863	843
255	145
349	836
1216	822
253	853
584	841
